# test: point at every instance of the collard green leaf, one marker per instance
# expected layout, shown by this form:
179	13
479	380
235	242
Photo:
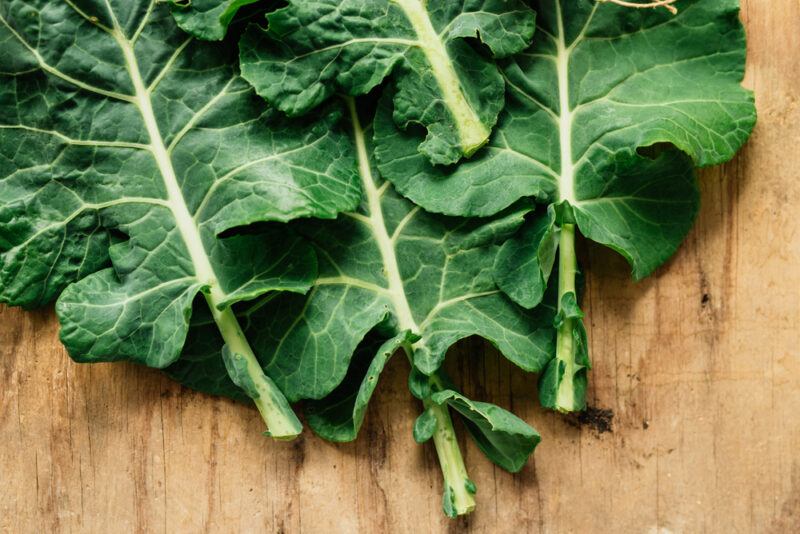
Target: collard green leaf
606	114
134	144
390	267
599	82
392	263
503	437
115	123
428	274
310	50
338	416
207	19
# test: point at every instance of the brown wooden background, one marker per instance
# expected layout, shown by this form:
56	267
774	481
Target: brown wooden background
699	364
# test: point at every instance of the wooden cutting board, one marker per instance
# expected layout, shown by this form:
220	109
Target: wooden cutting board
699	366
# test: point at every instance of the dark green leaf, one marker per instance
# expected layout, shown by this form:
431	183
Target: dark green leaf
113	120
312	49
599	82
419	384
394	265
607	112
525	261
428	274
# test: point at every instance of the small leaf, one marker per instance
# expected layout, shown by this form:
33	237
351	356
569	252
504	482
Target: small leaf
424	426
419	384
237	370
502	436
569	309
471	487
564	384
449	502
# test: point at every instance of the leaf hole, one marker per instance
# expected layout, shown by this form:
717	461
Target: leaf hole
655	150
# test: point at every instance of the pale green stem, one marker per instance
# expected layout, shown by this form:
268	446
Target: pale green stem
281	420
471	131
565	342
282	423
449	453
455	473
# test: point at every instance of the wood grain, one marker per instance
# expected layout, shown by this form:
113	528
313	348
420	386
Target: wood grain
700	365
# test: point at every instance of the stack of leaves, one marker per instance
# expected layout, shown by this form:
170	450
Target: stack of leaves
270	203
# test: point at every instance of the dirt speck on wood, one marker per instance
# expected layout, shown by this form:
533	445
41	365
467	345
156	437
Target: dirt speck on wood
599	420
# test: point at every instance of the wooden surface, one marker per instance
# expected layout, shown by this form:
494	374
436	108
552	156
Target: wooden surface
699	364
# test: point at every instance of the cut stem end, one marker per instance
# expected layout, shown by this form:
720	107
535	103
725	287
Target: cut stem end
459	490
246	372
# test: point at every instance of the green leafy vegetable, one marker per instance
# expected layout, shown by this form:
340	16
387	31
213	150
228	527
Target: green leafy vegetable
423	280
141	174
428	274
525	261
600	84
312	49
125	143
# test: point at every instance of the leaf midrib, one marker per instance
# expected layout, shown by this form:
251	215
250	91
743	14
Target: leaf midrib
567	171
177	203
471	130
566	175
377	225
386	244
568	166
472	133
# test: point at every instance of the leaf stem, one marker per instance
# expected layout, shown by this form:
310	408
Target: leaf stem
275	410
282	423
666	4
565	340
472	133
459	491
457	494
